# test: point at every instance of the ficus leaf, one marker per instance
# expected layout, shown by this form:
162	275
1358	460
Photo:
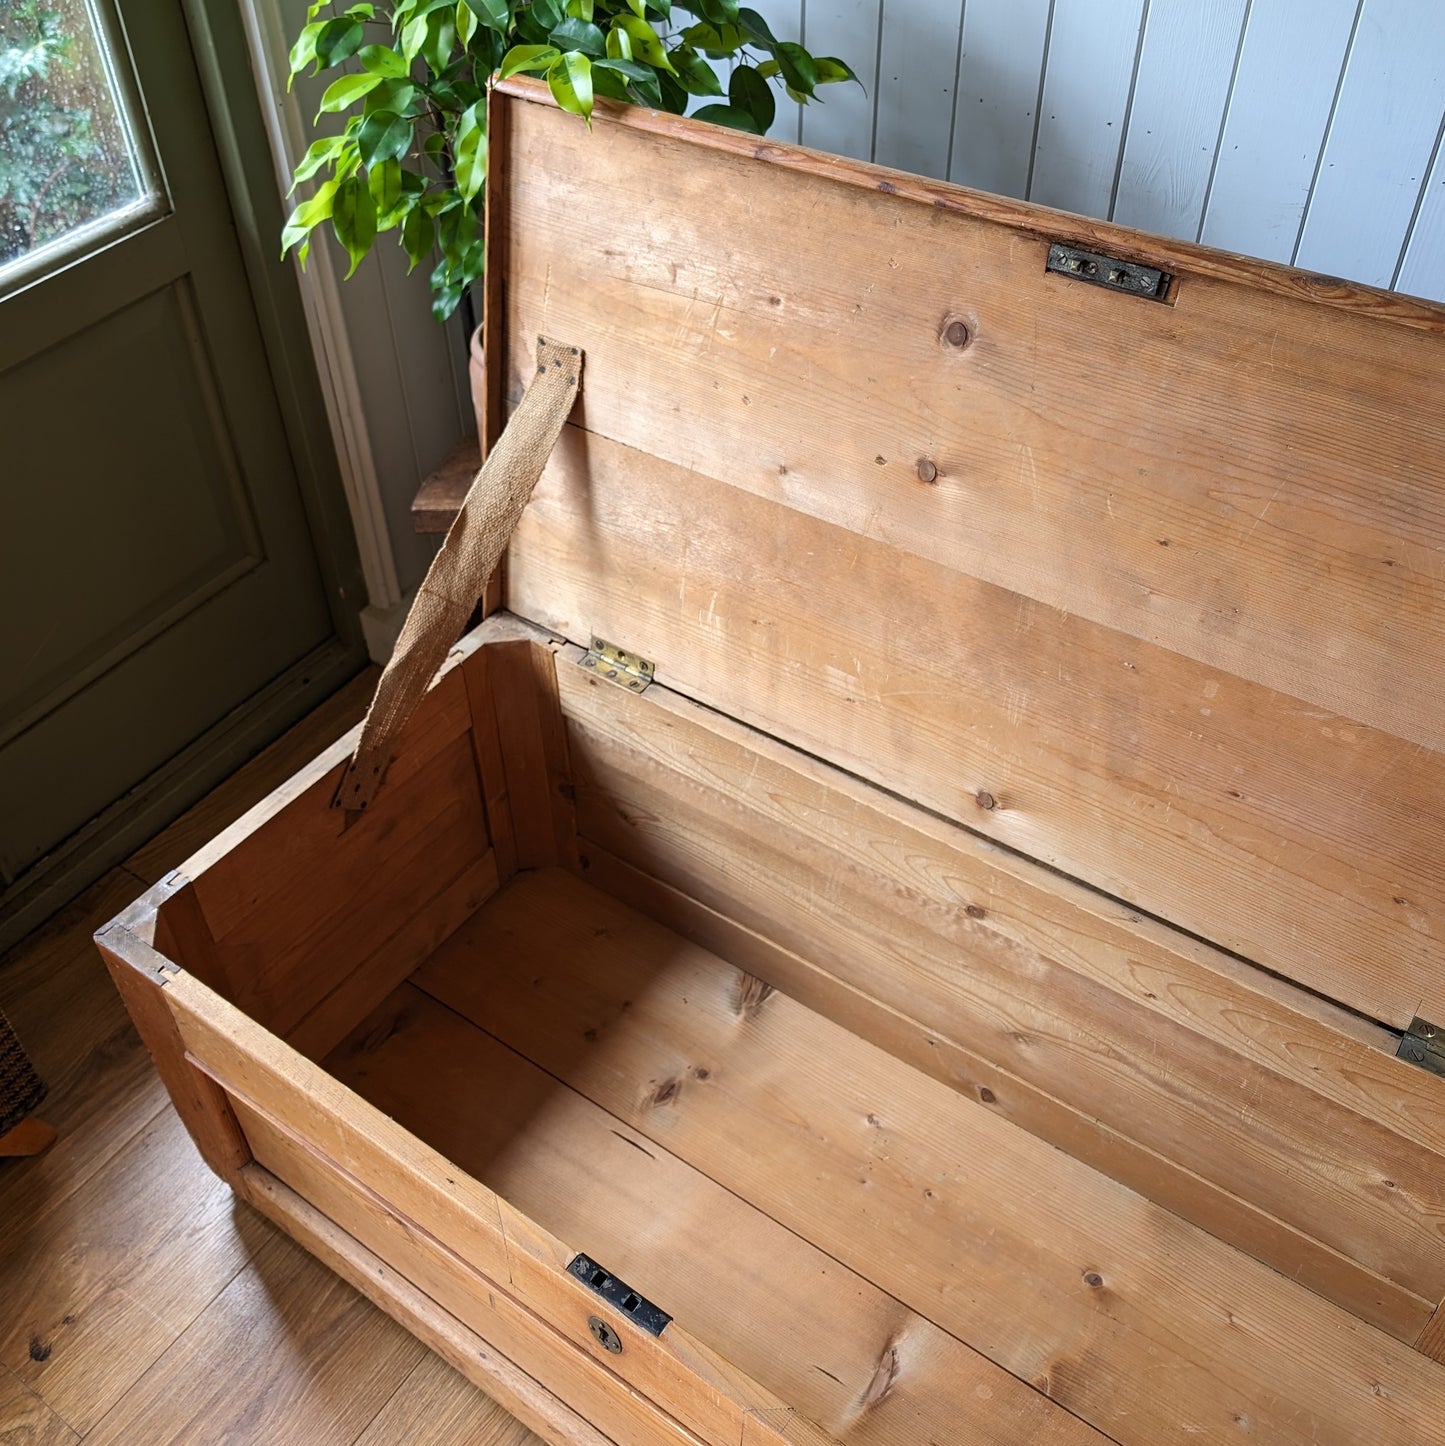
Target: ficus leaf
534	58
384	136
638	8
353	218
696	76
393	94
715	41
727	115
718	12
661	7
311	212
645	44
619	45
748	91
674	97
418	236
441	39
570	79
798	67
466	23
413	37
304	51
338	40
382	60
648	88
831	70
384	182
756	28
632	69
608	82
582	9
547	13
470	152
346	91
574	34
768	69
317	155
494	14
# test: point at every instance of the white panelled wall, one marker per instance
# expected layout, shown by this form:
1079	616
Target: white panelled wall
1304	131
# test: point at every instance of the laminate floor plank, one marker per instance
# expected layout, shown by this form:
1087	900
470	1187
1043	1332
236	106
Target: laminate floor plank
435	1406
25	1420
286	1353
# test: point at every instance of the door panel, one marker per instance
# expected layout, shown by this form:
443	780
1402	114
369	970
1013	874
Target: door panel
158	568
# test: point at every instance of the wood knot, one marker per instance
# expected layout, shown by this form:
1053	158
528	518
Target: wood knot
986	1095
39	1349
885	1373
753	993
1093	1280
975	911
985	799
666	1093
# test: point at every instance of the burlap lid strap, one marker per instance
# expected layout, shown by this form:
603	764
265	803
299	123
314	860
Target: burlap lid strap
459	572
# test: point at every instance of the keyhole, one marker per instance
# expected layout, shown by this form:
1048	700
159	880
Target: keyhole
604	1335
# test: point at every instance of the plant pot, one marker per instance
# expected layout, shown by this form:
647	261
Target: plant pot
477	374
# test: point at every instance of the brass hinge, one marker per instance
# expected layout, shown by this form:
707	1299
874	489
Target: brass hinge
1423	1044
618	666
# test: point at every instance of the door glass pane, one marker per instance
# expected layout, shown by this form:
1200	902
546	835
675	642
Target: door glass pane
70	165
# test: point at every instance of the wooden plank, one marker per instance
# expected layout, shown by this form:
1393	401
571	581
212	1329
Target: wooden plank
683	1241
1432	1338
1000	80
440	496
1143	1325
331	1363
1330	291
705	1392
1224	521
1181	90
1085	106
1202	798
1267	154
25	1420
443	1333
135	970
491	766
1359	212
927	875
520	681
1422	270
435	1406
917	72
392	960
101	1286
417	1263
288	914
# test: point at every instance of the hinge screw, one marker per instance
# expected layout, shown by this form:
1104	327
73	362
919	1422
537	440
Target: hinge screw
1426	1031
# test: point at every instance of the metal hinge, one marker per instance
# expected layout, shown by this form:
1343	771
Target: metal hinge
618	666
621	1296
1109	272
1423	1044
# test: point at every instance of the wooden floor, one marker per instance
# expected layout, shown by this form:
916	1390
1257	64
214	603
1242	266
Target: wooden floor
140	1303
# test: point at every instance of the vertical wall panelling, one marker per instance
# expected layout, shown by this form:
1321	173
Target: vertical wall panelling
844	121
917	72
1093	48
1285	86
1381	139
1422	270
998	93
1185	70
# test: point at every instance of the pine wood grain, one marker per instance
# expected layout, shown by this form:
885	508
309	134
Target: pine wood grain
343	1361
1302	841
705	1392
1162	625
1141	1324
1286	454
712	1260
303	895
1268	1119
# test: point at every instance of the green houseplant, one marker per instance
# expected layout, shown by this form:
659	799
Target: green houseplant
411	156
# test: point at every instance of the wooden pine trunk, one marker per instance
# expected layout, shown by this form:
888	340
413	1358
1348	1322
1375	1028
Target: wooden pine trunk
958	998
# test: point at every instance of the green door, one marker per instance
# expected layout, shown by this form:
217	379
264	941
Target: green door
158	572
